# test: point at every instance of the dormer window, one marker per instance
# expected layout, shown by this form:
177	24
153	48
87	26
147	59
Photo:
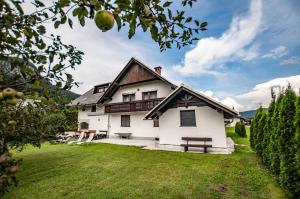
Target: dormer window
100	89
149	95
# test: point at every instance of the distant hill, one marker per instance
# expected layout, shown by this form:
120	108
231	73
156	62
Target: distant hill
250	114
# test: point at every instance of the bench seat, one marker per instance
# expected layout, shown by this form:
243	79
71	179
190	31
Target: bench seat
197	145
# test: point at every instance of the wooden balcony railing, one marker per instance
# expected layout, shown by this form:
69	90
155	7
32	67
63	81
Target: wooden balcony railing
140	105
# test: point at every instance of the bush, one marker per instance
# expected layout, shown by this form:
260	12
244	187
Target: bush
240	129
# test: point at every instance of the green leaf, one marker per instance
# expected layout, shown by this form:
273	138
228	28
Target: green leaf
118	20
132	27
63	3
203	25
170	14
154	33
41	29
189	19
76	11
70	22
56	24
167	4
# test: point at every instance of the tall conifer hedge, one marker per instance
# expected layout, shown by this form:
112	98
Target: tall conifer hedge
275	136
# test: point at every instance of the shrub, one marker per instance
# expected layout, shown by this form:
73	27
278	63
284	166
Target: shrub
240	129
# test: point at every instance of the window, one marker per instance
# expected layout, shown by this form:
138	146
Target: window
84	125
155	122
100	89
125	120
128	97
149	95
94	108
187	118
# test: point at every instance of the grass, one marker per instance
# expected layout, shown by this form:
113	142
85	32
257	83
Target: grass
113	171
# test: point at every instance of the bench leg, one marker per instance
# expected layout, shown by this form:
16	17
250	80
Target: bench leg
185	148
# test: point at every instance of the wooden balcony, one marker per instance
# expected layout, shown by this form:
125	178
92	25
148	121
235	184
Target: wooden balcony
140	105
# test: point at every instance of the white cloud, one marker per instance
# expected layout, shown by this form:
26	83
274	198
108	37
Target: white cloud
291	60
232	45
276	52
232	103
261	94
228	101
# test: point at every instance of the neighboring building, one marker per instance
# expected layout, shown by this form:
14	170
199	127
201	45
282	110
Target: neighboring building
142	102
232	122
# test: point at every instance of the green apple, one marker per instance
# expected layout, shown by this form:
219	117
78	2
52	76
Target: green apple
8	93
104	20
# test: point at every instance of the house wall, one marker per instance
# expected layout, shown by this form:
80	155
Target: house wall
96	120
138	126
162	89
209	123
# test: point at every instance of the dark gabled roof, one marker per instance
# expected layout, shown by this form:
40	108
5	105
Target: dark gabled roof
228	111
89	97
114	85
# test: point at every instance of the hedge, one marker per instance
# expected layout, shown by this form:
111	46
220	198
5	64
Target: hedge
275	137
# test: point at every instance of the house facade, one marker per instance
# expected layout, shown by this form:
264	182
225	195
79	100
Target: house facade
142	102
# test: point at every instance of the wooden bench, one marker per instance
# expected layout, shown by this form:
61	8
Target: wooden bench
198	139
124	135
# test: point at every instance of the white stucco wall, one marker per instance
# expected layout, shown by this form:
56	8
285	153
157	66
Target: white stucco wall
209	123
138	126
96	120
162	89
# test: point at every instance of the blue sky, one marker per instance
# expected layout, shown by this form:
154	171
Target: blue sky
249	46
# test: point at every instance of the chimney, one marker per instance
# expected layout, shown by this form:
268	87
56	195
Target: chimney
158	69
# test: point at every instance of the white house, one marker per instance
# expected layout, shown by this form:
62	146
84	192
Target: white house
141	102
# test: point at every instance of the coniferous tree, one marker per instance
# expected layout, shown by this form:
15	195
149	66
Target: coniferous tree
259	136
254	126
297	146
287	140
267	134
274	145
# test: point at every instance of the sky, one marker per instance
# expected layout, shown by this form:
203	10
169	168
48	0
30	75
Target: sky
250	45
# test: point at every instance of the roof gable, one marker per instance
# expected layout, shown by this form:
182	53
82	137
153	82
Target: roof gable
183	97
134	72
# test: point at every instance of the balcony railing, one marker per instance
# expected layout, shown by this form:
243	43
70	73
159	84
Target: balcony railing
140	105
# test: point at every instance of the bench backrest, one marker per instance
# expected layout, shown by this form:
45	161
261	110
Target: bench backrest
196	139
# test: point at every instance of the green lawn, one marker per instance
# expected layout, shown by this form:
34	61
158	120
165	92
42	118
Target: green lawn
113	171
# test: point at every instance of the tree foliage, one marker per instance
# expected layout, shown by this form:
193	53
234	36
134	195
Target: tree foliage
275	138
